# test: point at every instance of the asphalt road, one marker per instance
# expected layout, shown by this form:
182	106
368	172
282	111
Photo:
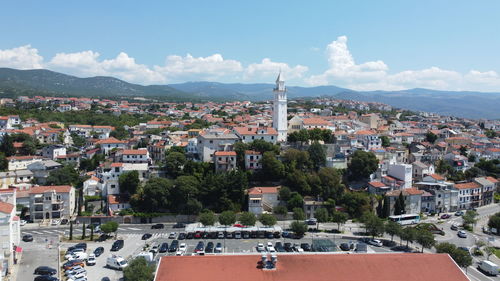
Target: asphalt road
41	252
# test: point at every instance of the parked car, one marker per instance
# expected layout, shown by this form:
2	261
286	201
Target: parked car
117	245
98	251
445	216
454	226
200	247
155	248
179	225
220	235
46	278
209	248
288	247
229	235
237	235
74	270
306	247
164	247
462	234
311	221
78	246
459	213
23	222
158	226
91	260
146	236
260	247
245	235
197	235
64	221
55	222
72	264
28	238
174	246
375	242
190	235
279	247
238	225
218	248
182	236
344	247
172	235
105	279
45	270
183	247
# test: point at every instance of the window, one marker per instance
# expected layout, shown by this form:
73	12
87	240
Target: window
113	186
117	170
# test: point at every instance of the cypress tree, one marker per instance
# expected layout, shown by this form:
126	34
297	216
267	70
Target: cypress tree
71	230
83	231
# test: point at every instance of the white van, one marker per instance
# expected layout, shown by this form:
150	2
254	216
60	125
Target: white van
116	262
488	267
148	256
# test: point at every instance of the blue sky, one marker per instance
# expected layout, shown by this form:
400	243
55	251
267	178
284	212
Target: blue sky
367	45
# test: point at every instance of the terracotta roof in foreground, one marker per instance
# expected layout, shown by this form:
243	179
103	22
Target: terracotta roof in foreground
312	267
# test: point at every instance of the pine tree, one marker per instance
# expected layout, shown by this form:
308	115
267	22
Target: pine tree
71	230
83	231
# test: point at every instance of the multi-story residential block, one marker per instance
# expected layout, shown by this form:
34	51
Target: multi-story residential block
421	170
249	134
134	156
13	178
225	161
488	188
412	197
111	143
42	169
402	172
372	120
263	199
252	160
369	140
109	174
469	195
214	140
22	162
52	202
157	150
9	230
53	151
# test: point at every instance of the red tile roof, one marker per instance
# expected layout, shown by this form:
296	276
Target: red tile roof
315	121
135	151
6	208
377	184
255	131
225	153
260	190
467	185
57	188
312	267
437	177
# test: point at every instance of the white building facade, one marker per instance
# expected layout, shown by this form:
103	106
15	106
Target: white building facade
280	109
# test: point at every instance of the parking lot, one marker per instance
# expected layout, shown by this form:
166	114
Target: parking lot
41	252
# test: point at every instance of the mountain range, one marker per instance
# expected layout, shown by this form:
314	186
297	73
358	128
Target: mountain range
45	82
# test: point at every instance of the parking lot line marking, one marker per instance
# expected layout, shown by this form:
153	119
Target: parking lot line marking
36	232
132	228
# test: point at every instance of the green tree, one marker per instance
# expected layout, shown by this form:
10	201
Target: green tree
92	233
70	230
321	215
267	219
284	193
129	182
193	207
339	218
120	133
7	146
207	218
78	141
400	205
356	203
298	227
362	165
227	218
431	137
373	224
247	219
29	147
385	141
186	187
280	210
139	270
317	154
67	175
408	234
298	214
425	238
109	227
470	217
462	258
392	228
174	163
296	201
154	196
4	163
494	221
272	168
83	231
331	183
298	159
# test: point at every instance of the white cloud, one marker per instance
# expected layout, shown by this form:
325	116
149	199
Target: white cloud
24	57
87	63
198	68
374	75
342	70
268	69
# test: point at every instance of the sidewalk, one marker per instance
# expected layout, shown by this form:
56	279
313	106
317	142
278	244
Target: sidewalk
12	276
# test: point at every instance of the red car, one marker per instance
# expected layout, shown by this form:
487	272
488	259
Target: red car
445	216
197	235
238	225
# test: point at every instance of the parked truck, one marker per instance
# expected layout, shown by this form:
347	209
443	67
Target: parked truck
116	262
488	267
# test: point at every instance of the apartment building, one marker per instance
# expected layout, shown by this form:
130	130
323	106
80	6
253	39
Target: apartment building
263	199
249	134
225	161
52	202
214	140
252	160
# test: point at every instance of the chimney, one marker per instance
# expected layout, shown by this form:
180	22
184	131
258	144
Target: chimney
269	263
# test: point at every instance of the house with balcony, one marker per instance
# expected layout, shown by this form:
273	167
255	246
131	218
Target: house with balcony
133	156
252	160
249	134
225	161
263	199
469	195
488	188
52	202
214	140
21	162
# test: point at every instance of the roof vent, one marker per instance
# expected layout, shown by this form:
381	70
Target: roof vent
269	263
